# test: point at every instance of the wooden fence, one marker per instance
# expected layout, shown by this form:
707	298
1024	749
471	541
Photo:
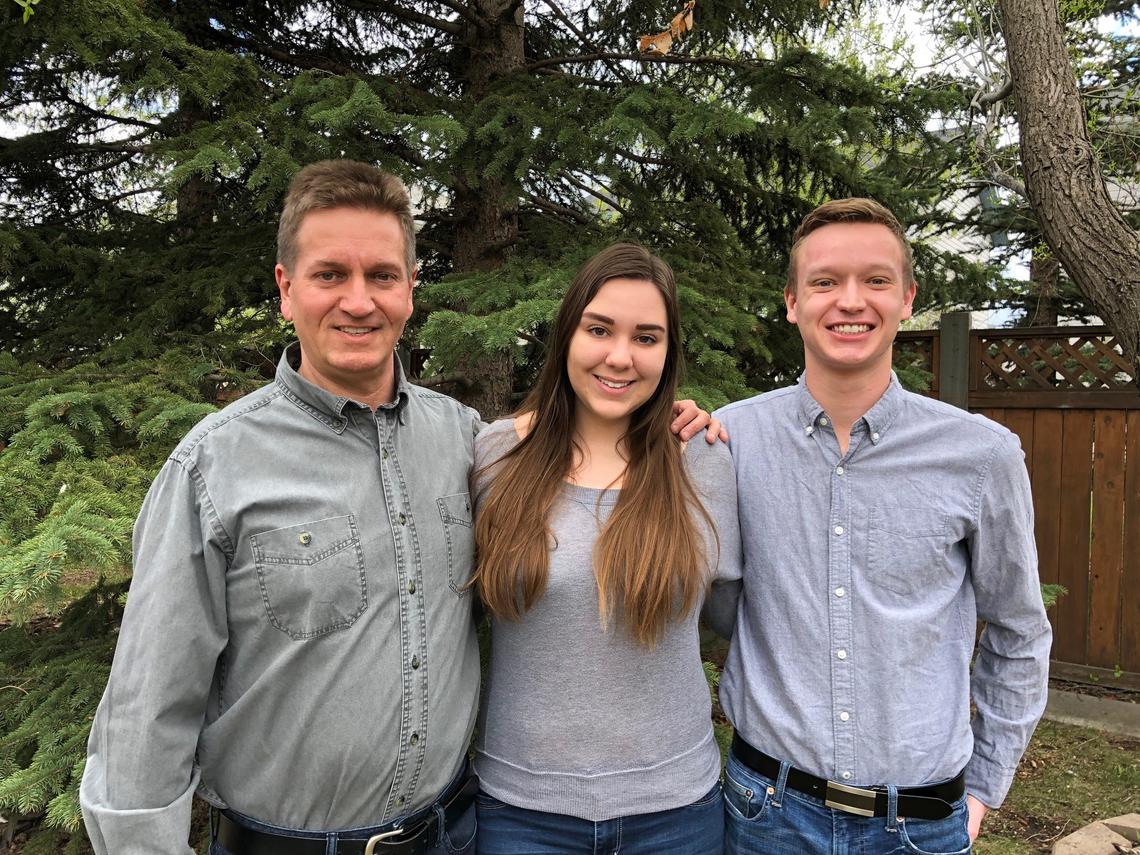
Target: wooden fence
1068	393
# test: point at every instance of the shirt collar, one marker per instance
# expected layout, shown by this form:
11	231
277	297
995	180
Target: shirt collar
325	406
878	419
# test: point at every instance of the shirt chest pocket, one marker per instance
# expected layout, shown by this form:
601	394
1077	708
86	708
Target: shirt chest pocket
311	576
455	514
909	549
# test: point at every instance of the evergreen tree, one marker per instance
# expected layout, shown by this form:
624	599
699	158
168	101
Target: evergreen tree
146	149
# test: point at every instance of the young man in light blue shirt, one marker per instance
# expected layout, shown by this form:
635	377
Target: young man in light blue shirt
878	527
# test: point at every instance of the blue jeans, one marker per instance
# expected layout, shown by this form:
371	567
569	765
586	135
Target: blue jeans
458	838
763	816
696	829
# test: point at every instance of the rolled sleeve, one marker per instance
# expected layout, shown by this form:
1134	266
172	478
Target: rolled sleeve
139	778
1010	678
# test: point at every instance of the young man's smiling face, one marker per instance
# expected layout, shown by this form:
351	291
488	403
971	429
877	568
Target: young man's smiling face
851	292
348	293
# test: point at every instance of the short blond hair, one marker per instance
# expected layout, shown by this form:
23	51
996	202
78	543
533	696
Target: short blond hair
852	210
330	184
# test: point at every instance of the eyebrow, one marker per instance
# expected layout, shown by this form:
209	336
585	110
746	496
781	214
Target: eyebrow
594	316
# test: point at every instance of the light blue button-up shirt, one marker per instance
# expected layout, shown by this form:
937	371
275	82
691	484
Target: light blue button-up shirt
865	574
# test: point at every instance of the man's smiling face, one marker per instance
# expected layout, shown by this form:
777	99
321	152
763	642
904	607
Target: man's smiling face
850	296
349	294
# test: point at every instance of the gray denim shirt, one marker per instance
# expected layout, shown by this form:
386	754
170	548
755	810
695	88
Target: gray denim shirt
864	575
297	643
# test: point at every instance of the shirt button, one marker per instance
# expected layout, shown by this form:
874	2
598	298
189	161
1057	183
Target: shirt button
385	454
823	421
415	662
843	716
400	801
841	653
305	538
839	529
412	586
403	519
808	430
415	737
838	470
846	776
875	437
840	591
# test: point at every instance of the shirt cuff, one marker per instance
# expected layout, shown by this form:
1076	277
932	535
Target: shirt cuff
987	781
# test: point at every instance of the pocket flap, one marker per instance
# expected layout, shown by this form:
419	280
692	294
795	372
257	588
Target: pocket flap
306	543
455	509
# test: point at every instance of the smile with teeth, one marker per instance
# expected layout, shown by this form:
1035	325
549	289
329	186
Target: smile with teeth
850	329
358	331
613	384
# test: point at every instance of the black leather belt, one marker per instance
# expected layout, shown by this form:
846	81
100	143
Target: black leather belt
414	836
932	802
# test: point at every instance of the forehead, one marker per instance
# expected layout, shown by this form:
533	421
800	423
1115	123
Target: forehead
636	299
849	246
359	232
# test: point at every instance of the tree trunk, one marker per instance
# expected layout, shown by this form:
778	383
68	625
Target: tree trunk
487	212
1066	189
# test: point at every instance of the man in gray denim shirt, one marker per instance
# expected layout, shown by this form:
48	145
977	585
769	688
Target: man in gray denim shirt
878	526
297	645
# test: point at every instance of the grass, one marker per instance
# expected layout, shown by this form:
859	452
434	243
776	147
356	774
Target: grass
1069	777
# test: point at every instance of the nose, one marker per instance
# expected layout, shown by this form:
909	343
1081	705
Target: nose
850	297
354	298
619	354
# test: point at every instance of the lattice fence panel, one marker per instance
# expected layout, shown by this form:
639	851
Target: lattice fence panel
1057	361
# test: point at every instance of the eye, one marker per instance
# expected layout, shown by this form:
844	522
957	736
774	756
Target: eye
385	276
823	283
879	281
646	338
596	331
327	276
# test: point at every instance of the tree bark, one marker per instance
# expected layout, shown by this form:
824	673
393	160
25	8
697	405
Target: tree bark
487	209
1065	186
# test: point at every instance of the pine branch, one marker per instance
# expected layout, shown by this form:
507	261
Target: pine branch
602	197
555	208
122	120
667	59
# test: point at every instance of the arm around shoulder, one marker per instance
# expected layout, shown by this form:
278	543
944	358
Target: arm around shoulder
140	776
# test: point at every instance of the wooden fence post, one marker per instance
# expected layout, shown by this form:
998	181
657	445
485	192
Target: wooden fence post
954	359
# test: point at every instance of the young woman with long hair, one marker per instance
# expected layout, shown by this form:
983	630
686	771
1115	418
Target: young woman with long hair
598	534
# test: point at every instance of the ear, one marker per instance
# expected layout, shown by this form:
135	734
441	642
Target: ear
284	287
908	300
411	288
790	303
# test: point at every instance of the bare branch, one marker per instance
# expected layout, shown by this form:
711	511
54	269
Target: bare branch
123	120
667	59
586	188
616	69
465	11
436	380
985	99
996	174
412	17
555	208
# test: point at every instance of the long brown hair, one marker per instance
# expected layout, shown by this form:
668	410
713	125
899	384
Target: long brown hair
650	559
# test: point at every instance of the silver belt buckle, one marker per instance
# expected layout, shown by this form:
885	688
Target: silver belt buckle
370	847
860	793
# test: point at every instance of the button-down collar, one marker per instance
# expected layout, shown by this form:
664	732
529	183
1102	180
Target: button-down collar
877	419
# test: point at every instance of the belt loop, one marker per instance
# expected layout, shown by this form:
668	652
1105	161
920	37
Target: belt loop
332	843
781	783
440	824
892	809
215	819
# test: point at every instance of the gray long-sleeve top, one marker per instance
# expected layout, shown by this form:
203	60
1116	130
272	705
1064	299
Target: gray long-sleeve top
864	576
296	644
582	720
